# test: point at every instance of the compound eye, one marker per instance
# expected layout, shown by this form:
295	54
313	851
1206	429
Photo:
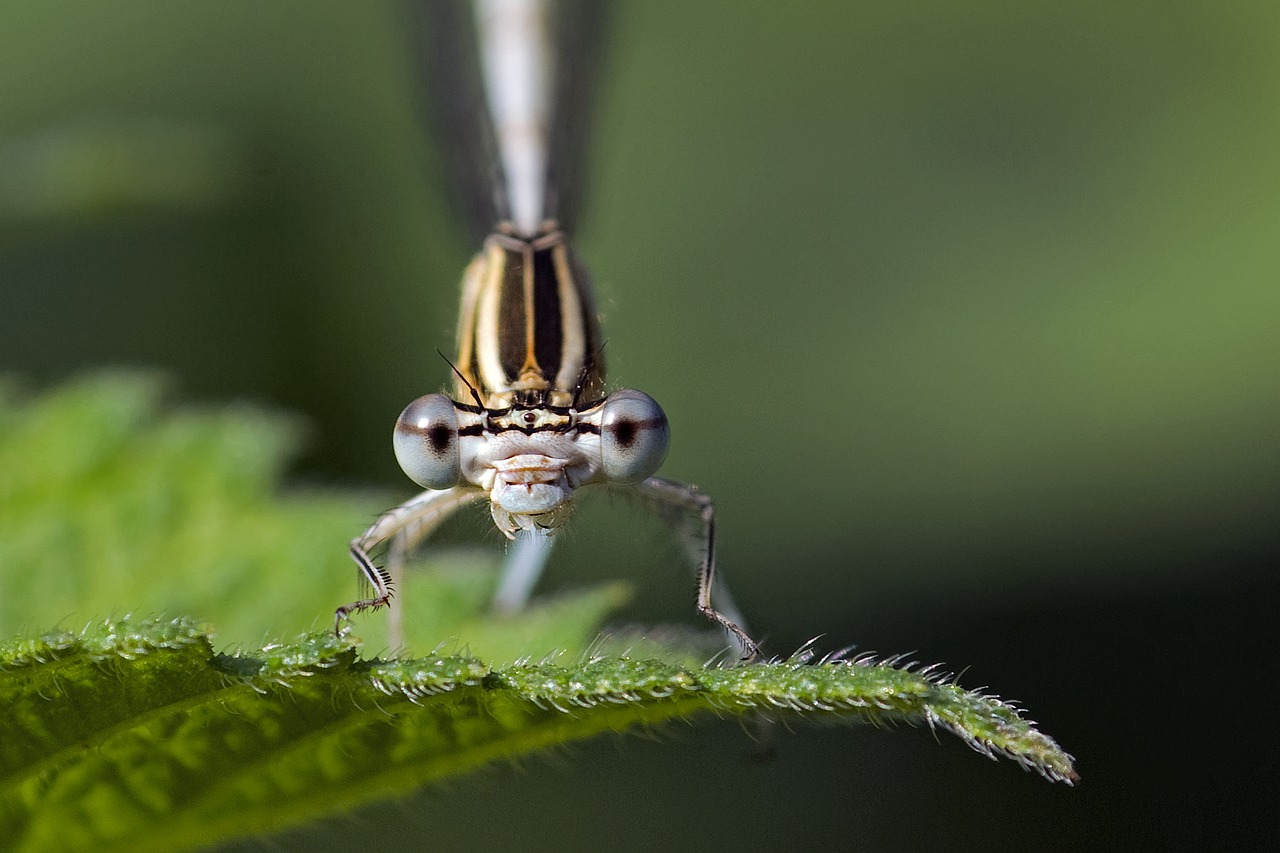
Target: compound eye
634	436
426	442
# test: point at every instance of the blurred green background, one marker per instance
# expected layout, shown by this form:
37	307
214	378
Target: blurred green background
967	314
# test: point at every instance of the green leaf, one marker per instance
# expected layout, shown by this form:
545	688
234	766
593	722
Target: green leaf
110	503
138	734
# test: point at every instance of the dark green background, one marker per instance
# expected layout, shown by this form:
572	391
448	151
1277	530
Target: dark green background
966	313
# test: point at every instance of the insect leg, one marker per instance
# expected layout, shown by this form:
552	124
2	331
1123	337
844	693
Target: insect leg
407	525
699	537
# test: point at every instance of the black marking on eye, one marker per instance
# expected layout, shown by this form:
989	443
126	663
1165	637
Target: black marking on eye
624	431
440	437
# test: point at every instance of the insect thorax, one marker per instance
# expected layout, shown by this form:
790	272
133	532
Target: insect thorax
528	331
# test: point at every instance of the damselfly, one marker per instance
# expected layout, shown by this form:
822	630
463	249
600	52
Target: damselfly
530	421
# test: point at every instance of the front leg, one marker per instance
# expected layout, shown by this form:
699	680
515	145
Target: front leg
672	498
407	525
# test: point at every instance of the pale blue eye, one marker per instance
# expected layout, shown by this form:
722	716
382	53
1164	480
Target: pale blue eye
426	442
634	436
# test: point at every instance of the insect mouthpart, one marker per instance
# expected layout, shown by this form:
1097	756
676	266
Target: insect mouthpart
530	490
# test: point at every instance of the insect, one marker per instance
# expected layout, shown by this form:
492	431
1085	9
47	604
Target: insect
530	422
